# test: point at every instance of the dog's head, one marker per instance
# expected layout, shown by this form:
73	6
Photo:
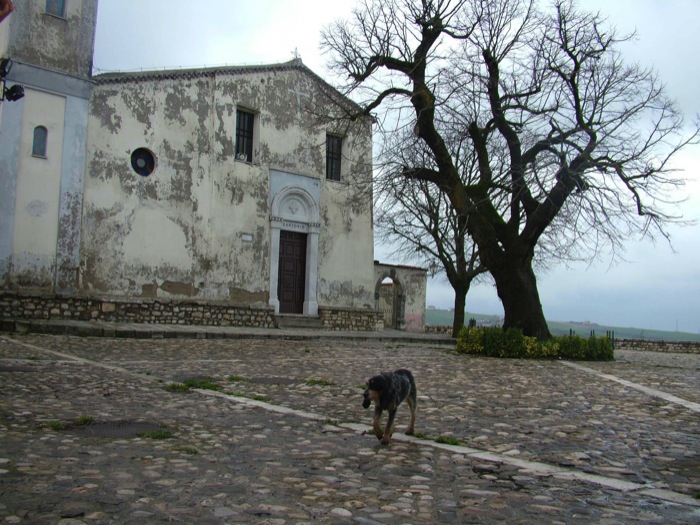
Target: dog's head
374	389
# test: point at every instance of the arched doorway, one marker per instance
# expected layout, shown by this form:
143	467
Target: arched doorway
294	230
389	298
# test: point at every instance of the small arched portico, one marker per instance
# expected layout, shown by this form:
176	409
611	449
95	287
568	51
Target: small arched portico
400	294
389	300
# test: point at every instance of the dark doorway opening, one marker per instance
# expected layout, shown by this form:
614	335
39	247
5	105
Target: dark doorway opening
292	269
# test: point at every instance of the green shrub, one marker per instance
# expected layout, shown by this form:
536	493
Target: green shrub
469	341
511	343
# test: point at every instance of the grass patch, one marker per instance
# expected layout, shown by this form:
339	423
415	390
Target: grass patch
163	433
448	440
318	382
264	399
176	387
60	425
189	450
420	435
186	386
203	384
236	379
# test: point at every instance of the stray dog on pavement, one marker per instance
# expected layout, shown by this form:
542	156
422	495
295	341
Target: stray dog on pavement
388	390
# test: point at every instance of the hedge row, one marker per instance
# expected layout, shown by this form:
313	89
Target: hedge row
497	342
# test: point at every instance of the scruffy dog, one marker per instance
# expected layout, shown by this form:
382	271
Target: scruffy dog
388	390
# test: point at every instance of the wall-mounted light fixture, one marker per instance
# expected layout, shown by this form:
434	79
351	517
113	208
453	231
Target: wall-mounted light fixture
5	66
14	92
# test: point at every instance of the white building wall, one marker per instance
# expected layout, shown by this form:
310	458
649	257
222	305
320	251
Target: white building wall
37	198
41	199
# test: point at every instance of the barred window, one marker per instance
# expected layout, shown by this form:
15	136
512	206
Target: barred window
244	135
334	146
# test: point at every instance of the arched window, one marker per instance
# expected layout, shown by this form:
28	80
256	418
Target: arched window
41	135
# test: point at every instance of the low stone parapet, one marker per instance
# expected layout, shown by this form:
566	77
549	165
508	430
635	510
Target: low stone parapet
679	347
25	306
648	345
442	329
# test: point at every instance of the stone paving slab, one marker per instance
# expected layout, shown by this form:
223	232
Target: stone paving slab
286	440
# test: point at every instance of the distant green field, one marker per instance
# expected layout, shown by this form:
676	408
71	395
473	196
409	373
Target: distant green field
444	317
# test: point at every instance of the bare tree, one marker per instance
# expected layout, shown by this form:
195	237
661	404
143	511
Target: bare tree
417	219
570	142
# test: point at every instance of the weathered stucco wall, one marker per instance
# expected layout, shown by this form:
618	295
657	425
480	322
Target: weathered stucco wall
60	44
199	225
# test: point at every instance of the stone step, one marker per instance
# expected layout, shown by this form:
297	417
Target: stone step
298	321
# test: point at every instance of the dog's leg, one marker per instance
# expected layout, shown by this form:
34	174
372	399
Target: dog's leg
389	430
411	405
375	422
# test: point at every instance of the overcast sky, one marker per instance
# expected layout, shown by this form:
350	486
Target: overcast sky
655	288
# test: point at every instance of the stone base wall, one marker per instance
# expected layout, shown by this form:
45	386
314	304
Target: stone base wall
121	310
351	320
15	305
681	347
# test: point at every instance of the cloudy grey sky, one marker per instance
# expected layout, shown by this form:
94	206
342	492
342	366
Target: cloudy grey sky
657	287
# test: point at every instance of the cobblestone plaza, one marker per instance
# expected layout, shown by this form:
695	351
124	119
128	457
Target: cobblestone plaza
285	439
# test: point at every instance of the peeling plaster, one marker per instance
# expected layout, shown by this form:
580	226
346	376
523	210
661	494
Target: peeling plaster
181	163
175	288
239	295
338	293
173	104
106	113
149	290
224	143
140	105
33	270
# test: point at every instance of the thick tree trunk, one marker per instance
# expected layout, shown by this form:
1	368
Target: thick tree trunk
516	285
460	305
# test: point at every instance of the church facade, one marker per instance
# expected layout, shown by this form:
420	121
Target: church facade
239	197
235	189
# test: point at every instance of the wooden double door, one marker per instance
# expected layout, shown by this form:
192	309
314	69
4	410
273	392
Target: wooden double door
292	272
